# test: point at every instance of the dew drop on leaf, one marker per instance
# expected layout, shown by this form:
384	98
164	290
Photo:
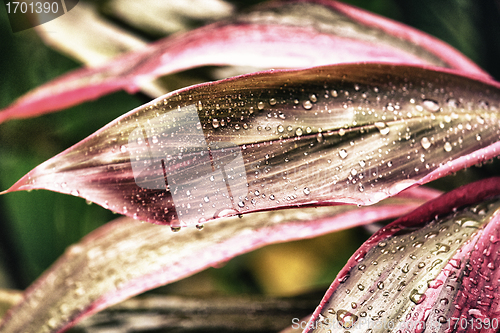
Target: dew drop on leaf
343	153
430	105
447	146
382	127
307	105
346	319
416	297
425	143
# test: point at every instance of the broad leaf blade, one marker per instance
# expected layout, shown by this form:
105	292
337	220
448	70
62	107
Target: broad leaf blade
352	134
425	271
281	35
125	257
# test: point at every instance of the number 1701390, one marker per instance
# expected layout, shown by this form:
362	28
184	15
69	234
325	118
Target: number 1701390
32	7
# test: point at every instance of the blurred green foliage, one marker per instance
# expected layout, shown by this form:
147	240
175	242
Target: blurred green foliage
36	227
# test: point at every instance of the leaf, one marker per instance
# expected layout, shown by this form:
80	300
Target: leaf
125	257
272	36
435	269
351	134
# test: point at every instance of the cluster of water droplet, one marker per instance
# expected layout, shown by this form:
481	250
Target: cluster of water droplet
393	278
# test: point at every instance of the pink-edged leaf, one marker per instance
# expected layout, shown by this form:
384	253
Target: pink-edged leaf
286	34
351	134
433	270
125	257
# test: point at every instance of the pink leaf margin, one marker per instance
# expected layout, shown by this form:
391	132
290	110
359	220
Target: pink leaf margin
206	256
466	195
262	45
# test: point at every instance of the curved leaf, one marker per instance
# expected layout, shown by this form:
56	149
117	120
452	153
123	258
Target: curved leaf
352	134
434	270
284	34
124	257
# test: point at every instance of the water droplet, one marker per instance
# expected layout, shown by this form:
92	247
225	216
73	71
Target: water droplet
406	268
298	131
447	146
430	105
313	98
441	248
361	287
456	263
341	132
215	123
425	143
380	285
382	127
453	103
260	105
435	263
199	226
280	128
272	101
241	204
307	191
421	265
343	153
271	197
188	193
175	229
346	319
416	297
206	199
123	149
307	105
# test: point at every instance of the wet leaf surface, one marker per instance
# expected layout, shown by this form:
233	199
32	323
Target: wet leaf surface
270	36
431	271
352	134
126	257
